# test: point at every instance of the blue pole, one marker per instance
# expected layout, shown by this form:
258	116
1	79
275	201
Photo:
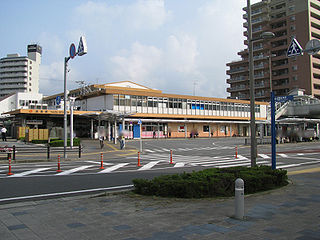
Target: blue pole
273	132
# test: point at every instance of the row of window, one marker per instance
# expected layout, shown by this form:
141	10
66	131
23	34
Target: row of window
161	102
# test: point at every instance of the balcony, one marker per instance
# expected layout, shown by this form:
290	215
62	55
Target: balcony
237	79
237	70
13	75
14	69
14	63
13	86
237	88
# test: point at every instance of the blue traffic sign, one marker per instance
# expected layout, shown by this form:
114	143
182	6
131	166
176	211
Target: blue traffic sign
72	50
294	48
58	100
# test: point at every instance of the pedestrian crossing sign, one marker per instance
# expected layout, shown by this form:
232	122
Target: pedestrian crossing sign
82	48
294	49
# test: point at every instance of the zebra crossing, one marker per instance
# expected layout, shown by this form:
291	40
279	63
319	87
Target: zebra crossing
155	150
149	161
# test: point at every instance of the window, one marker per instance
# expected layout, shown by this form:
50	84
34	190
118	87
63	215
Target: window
121	100
206	128
133	101
116	100
292	18
295	78
30	67
30	73
139	103
295	67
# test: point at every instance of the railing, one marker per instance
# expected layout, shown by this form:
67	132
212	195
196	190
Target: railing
14	151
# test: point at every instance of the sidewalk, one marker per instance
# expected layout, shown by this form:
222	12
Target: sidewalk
292	212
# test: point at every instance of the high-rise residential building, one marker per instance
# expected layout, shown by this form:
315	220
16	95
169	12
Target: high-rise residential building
286	19
20	73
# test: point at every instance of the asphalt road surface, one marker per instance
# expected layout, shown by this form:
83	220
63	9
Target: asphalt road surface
41	179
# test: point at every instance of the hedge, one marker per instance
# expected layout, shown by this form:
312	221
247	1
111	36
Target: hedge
212	182
60	143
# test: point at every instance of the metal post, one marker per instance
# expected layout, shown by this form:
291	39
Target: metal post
91	129
273	132
115	131
48	152
109	131
80	149
71	101
251	80
65	123
14	152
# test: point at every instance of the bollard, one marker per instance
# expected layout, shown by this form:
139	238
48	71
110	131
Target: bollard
59	169
171	157
80	150
48	152
236	152
139	165
14	152
239	199
101	166
9	172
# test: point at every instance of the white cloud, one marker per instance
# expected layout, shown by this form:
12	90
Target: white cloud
181	53
138	63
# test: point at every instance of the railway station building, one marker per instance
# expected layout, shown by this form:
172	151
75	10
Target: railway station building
141	112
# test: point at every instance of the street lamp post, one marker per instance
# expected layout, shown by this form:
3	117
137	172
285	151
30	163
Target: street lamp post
265	36
251	84
82	49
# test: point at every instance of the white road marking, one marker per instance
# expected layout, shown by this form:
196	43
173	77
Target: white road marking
30	172
99	162
149	165
264	156
113	168
283	155
300	154
288	166
180	164
148	150
65	193
240	164
73	170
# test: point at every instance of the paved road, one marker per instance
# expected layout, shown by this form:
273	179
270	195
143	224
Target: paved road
120	167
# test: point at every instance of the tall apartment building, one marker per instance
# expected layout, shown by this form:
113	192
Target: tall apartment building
286	19
20	73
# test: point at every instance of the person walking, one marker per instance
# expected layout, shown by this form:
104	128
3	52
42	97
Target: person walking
4	134
101	138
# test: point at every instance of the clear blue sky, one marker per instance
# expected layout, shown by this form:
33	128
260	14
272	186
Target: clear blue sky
163	44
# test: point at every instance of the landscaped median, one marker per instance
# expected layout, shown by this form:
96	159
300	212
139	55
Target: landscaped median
213	182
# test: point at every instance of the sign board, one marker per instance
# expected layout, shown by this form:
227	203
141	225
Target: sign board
72	51
82	48
139	121
58	100
294	48
312	47
284	98
34	122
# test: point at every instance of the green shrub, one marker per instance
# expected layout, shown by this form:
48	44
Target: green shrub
39	141
211	182
60	143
